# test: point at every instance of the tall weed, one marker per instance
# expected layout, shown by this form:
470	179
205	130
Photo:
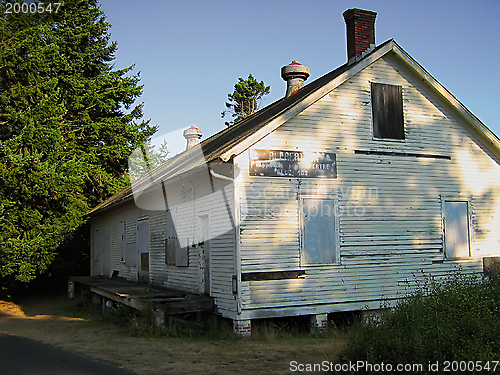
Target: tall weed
455	319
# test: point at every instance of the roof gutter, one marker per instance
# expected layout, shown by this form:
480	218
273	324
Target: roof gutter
222	177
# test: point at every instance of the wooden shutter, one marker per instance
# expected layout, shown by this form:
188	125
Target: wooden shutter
387	110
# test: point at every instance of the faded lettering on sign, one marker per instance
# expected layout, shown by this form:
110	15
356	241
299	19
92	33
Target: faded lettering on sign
280	163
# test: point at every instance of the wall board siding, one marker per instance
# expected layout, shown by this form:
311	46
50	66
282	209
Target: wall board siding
190	198
389	207
129	215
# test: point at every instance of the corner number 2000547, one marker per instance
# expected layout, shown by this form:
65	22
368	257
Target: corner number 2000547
31	8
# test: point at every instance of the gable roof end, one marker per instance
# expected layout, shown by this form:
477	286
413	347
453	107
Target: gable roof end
322	86
232	141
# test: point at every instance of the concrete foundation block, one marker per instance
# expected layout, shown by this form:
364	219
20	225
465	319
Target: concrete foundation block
86	295
319	323
159	318
243	328
104	305
96	299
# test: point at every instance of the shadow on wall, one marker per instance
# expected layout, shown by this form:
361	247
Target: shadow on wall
389	205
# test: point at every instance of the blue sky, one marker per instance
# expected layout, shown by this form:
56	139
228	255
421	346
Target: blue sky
191	53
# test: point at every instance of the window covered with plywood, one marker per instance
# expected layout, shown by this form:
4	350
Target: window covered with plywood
387	111
319	236
456	229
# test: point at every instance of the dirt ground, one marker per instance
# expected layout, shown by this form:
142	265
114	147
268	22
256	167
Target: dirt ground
57	321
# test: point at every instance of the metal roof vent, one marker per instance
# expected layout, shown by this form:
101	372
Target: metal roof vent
294	74
192	135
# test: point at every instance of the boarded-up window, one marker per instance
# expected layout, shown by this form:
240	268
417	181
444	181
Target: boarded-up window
319	233
176	249
131	254
456	229
171	246
387	111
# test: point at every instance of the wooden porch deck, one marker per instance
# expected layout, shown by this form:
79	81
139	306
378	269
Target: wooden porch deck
165	301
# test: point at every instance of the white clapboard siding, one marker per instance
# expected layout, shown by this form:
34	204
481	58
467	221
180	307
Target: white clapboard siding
190	197
129	215
389	207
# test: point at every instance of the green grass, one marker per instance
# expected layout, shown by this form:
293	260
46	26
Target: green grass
457	319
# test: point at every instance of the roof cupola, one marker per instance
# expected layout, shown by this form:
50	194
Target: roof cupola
294	74
192	135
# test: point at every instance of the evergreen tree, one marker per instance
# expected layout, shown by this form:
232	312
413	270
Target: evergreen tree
245	98
147	158
67	126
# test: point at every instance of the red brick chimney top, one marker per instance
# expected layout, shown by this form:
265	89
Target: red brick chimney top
360	32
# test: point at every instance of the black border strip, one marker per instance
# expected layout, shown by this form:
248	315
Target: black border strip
276	275
407	154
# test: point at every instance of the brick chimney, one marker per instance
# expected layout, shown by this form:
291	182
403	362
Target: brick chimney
294	74
192	135
360	32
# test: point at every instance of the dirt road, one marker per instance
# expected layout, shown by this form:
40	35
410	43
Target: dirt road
22	356
55	321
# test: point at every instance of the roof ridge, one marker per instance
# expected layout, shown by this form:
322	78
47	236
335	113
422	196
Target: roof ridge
223	144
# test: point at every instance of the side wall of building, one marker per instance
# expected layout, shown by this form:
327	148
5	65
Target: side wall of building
388	207
197	197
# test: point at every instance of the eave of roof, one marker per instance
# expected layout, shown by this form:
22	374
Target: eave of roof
232	141
488	135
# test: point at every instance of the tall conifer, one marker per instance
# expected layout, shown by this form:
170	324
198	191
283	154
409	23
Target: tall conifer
68	123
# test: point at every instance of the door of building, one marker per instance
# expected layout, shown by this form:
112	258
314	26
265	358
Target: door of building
204	253
143	250
106	252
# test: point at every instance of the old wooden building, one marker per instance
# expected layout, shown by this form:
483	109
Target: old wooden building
339	196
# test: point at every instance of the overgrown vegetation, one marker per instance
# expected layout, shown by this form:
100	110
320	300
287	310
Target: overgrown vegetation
208	326
141	324
456	319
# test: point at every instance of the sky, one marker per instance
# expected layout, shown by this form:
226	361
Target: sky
191	53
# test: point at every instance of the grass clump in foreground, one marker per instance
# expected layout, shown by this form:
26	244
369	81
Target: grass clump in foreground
455	319
211	327
142	324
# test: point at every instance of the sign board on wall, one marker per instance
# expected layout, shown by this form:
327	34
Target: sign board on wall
280	163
